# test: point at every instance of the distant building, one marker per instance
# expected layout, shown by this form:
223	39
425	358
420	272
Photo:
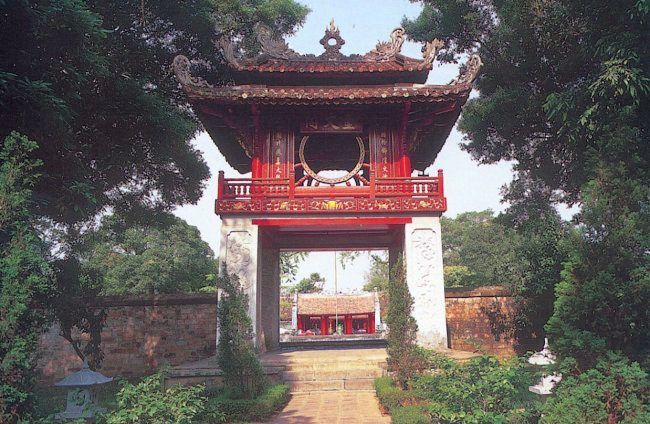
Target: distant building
317	314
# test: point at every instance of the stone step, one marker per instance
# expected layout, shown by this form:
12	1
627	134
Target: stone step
327	374
331	385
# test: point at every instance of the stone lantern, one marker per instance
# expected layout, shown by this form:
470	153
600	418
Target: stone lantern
548	382
82	400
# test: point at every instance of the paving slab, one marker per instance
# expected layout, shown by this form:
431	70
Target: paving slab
337	407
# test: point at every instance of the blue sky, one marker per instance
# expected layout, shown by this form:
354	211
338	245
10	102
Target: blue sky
468	186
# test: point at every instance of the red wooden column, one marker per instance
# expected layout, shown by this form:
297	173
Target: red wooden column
348	324
323	325
371	323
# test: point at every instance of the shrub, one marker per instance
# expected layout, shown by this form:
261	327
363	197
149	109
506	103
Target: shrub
257	409
483	390
149	402
25	278
403	405
236	356
414	414
615	390
388	394
404	360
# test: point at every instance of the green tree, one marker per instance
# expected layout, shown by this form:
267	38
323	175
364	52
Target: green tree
312	284
289	265
487	249
25	278
162	254
544	245
565	94
377	276
89	81
113	123
458	276
403	359
236	357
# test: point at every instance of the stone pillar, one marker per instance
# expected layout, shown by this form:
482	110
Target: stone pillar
294	312
378	325
239	250
269	284
424	276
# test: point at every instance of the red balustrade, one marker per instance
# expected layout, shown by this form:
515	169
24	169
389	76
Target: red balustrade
270	195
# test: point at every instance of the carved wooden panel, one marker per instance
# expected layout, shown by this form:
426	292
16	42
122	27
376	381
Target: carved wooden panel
278	153
382	154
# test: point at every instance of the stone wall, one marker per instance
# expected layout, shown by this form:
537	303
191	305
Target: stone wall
478	320
141	334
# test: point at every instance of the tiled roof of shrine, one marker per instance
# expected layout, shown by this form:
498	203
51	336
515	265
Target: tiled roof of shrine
276	57
287	82
322	304
262	94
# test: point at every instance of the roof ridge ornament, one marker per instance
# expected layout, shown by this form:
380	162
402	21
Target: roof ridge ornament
332	42
469	71
181	67
430	50
273	45
386	50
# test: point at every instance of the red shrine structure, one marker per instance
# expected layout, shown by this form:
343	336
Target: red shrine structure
335	146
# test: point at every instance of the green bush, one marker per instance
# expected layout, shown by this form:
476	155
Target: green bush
484	390
413	414
615	390
25	278
404	360
261	408
236	356
403	405
388	394
149	402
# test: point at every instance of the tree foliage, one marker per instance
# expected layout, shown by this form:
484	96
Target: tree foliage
487	249
289	265
236	356
162	254
25	278
403	357
377	276
615	390
113	123
565	94
312	284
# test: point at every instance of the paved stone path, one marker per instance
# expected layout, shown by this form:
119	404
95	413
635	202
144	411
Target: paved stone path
336	407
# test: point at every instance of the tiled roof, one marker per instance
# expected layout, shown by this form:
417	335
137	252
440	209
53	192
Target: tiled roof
304	95
319	304
343	66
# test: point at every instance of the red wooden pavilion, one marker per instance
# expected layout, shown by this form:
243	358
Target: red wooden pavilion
332	143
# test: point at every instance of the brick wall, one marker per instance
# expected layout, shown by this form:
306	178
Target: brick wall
478	320
140	335
143	333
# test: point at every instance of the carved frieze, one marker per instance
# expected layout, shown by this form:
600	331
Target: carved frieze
330	205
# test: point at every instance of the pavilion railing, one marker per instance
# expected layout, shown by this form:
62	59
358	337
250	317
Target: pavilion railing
406	187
